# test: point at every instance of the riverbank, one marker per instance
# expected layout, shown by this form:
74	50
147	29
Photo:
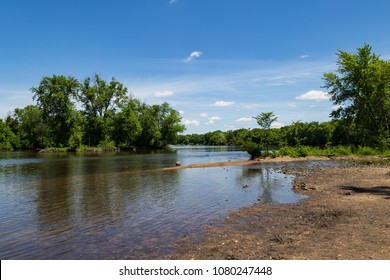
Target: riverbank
244	162
345	216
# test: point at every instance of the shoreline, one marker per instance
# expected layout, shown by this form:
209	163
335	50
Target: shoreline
345	216
244	162
366	159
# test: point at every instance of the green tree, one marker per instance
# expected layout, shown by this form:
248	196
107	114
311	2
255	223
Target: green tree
217	138
100	100
170	124
160	125
265	121
6	136
32	130
361	88
150	135
308	134
55	97
127	125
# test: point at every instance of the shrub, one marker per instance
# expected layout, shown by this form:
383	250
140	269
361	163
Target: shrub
366	151
253	149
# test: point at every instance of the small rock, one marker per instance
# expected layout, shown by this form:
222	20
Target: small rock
178	163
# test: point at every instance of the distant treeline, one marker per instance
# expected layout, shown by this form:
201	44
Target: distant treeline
108	118
298	134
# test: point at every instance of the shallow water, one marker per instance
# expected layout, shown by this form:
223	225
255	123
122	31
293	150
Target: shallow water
122	205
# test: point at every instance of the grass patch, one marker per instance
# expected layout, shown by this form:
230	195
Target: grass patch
304	151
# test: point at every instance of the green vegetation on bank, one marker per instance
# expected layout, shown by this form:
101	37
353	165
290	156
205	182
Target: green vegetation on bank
108	118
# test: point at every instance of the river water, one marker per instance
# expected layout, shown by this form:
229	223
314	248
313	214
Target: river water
123	205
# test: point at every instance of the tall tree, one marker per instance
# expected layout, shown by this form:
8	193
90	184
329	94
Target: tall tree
55	97
32	130
170	124
100	100
127	127
360	87
6	136
265	121
160	125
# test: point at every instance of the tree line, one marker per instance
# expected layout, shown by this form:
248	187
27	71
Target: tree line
91	113
297	134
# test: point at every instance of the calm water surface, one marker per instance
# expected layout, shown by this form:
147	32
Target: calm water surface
122	205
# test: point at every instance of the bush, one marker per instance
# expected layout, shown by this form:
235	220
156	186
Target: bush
301	151
288	151
107	144
341	151
253	149
366	151
75	141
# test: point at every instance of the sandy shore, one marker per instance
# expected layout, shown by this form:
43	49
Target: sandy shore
244	162
346	216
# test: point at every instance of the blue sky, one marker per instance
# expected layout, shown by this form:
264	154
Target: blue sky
219	63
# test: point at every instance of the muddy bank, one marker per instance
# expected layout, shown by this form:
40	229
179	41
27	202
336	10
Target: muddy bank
346	215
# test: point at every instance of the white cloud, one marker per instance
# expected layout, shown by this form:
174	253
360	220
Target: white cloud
193	55
190	122
164	93
277	125
214	119
204	115
336	107
223	103
244	119
304	56
316	95
172	2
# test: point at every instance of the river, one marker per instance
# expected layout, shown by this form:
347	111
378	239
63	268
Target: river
123	205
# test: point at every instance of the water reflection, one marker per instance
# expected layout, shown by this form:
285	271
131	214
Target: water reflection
121	206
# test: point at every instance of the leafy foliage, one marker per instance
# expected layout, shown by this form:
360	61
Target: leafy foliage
100	100
361	89
265	120
109	118
55	97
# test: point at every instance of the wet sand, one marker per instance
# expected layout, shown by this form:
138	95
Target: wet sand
346	215
244	162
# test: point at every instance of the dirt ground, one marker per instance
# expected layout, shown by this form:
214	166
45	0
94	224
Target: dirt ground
346	215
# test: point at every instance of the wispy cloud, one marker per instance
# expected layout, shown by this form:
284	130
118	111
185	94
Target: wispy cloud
231	78
250	106
304	56
316	95
214	119
223	103
193	55
164	93
190	122
235	89
277	125
172	2
244	120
